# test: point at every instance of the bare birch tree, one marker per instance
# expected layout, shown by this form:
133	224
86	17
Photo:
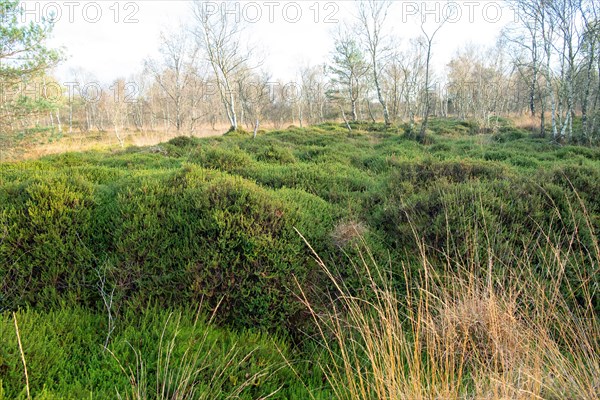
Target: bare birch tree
174	73
219	36
429	37
372	15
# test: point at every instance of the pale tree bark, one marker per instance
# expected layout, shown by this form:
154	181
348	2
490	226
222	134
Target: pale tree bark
372	15
313	86
528	38
254	96
591	36
413	69
429	42
538	21
564	12
174	73
547	27
118	110
219	36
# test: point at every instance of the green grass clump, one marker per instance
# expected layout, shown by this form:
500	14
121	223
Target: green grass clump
151	354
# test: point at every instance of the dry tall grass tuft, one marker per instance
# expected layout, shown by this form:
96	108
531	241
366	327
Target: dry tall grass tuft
22	358
459	333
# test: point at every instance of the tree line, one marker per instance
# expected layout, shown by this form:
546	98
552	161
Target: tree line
544	65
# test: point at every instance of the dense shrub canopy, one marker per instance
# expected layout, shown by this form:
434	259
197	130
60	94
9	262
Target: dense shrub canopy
214	219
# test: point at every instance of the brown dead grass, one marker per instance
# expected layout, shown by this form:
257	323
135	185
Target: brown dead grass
108	141
458	333
527	122
38	146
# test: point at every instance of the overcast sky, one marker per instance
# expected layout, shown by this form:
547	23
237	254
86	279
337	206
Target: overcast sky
110	39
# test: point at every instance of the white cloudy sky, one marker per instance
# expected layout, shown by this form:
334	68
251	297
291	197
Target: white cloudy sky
110	39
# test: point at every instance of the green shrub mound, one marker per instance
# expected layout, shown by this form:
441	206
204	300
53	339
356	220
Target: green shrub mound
174	237
213	220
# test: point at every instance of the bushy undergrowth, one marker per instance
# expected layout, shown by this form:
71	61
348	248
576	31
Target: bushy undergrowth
98	238
215	218
172	236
